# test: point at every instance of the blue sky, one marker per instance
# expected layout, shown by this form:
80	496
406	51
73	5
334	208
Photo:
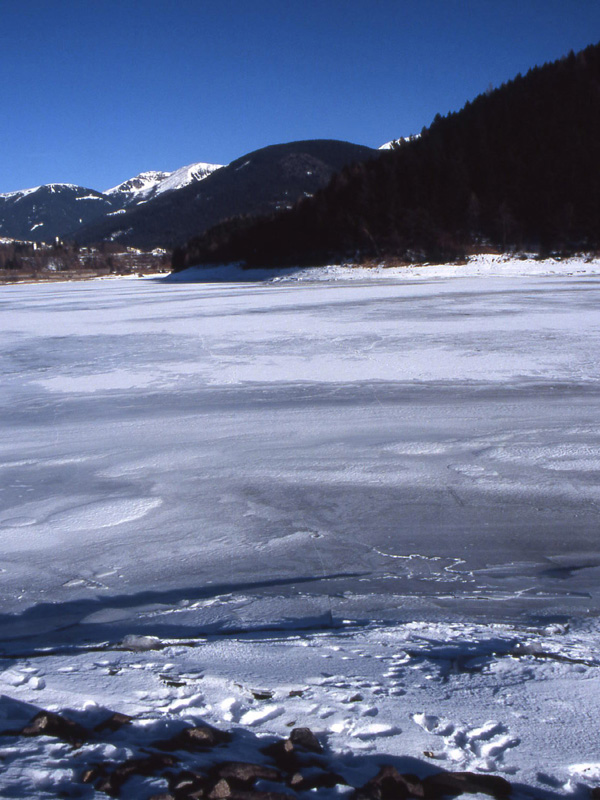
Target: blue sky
95	91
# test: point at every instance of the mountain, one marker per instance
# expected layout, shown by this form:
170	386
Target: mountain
266	180
147	185
518	167
44	212
60	209
394	144
138	188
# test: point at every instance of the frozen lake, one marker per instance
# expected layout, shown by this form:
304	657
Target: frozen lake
204	456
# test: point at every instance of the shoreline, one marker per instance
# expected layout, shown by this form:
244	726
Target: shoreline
75	277
488	700
490	264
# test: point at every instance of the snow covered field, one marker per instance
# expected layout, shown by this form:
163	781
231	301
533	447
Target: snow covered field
378	490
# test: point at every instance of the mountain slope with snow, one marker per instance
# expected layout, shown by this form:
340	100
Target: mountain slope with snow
150	184
165	209
137	187
183	176
394	144
44	212
262	181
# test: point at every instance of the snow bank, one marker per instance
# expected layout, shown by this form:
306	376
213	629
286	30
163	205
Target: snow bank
476	266
497	699
483	265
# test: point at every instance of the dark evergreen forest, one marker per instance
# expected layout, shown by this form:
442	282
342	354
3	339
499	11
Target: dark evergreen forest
516	168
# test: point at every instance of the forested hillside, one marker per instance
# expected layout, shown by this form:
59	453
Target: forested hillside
260	182
519	167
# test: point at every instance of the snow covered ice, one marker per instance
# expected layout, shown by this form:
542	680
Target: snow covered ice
380	485
383	449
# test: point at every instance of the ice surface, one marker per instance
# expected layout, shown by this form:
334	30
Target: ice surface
384	449
372	494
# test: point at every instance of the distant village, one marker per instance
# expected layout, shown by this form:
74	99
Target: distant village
38	261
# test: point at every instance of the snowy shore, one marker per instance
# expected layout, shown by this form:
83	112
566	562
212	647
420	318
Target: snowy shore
361	501
493	699
482	265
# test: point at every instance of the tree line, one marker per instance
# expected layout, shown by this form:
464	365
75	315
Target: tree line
516	168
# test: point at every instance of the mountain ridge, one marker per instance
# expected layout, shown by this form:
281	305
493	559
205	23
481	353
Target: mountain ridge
264	180
54	210
145	185
516	168
41	213
158	208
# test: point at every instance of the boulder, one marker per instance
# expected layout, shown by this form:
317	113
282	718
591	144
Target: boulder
200	737
221	790
389	784
189	785
315	778
150	766
453	783
113	723
255	795
284	754
305	738
262	694
243	775
47	723
94	773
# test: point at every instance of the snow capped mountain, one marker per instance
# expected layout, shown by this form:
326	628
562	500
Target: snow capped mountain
140	185
394	143
185	204
186	175
53	188
44	212
157	208
150	184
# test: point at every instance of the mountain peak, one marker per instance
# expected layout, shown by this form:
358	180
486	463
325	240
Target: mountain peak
143	182
394	144
186	175
149	184
50	187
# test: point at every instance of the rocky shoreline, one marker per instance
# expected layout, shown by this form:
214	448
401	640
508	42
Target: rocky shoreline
195	762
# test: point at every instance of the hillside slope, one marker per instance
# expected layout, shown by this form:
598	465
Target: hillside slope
265	180
60	209
147	185
44	212
517	167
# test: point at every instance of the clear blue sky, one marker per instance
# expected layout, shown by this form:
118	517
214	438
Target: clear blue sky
95	91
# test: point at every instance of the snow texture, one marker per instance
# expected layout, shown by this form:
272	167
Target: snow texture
395	142
53	187
368	496
150	184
